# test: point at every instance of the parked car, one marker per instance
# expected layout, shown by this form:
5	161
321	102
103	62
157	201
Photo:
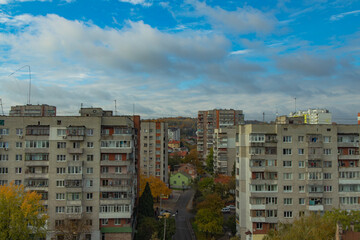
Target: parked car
225	210
232	207
165	215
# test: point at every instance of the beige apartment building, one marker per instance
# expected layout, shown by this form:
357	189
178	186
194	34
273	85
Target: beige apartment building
210	120
154	149
85	168
224	150
284	171
30	110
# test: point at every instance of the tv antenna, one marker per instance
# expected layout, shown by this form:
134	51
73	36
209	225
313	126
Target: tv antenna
29	94
2	109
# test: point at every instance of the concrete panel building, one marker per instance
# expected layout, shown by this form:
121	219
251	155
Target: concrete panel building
314	116
225	150
154	149
284	171
210	120
174	134
85	168
29	110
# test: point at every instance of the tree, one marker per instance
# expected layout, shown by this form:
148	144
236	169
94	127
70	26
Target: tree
146	203
174	160
157	186
311	227
345	218
210	161
18	210
73	228
170	228
212	202
206	185
193	158
209	221
231	224
147	227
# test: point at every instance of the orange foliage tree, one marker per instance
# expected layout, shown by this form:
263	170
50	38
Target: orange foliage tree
22	214
157	186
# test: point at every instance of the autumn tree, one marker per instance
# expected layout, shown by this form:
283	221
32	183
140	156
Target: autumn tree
212	202
174	160
20	209
73	228
311	227
209	221
345	218
157	186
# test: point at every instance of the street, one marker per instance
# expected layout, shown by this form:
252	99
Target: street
183	227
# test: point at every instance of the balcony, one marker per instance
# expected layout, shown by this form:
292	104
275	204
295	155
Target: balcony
117	150
115	215
36	163
257	144
116	162
114	188
257	219
348	144
316	207
257	206
349	157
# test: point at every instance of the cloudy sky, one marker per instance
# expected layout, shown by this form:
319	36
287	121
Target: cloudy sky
173	58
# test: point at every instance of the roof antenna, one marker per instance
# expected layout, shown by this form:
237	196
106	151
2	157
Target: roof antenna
134	109
29	94
2	109
115	107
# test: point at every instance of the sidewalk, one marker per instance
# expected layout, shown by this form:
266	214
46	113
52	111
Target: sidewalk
169	204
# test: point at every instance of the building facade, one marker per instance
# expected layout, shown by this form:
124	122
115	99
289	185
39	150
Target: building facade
29	110
174	134
210	120
85	168
314	116
224	150
284	171
154	149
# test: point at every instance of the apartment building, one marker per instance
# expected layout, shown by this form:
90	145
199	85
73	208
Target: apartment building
314	116
224	150
284	171
210	120
154	149
174	134
29	110
85	168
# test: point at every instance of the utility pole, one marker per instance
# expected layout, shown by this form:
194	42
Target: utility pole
165	228
2	109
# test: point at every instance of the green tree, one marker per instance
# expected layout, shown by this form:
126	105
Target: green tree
210	161
311	227
18	210
174	160
212	202
231	224
346	218
206	185
209	221
170	228
146	203
147	227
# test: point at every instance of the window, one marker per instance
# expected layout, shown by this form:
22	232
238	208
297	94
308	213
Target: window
60	183
90	158
74	169
59	209
90	132
327	164
117	169
89	209
104	221
18	144
300	138
301	151
60	196
117	221
89	170
327	176
257	138
19	131
288	214
287	151
18	170
76	144
4	131
287	139
76	157
288	176
3	170
104	169
327	151
18	182
73	209
287	188
37	144
61	132
4	157
61	170
327	139
61	158
259	226
89	196
327	188
287	163
301	176
328	201
61	144
90	144
352	151
301	201
18	157
89	183
288	201
349	200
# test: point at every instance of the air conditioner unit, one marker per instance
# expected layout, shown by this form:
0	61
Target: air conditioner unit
64	137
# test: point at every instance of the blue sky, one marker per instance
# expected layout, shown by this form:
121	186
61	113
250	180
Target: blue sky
173	58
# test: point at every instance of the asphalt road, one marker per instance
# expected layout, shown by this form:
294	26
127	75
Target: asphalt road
182	219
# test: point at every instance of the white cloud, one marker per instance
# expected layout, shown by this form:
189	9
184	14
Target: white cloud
243	20
341	15
14	1
135	2
244	51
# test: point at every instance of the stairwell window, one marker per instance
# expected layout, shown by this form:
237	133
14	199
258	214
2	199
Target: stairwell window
287	151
